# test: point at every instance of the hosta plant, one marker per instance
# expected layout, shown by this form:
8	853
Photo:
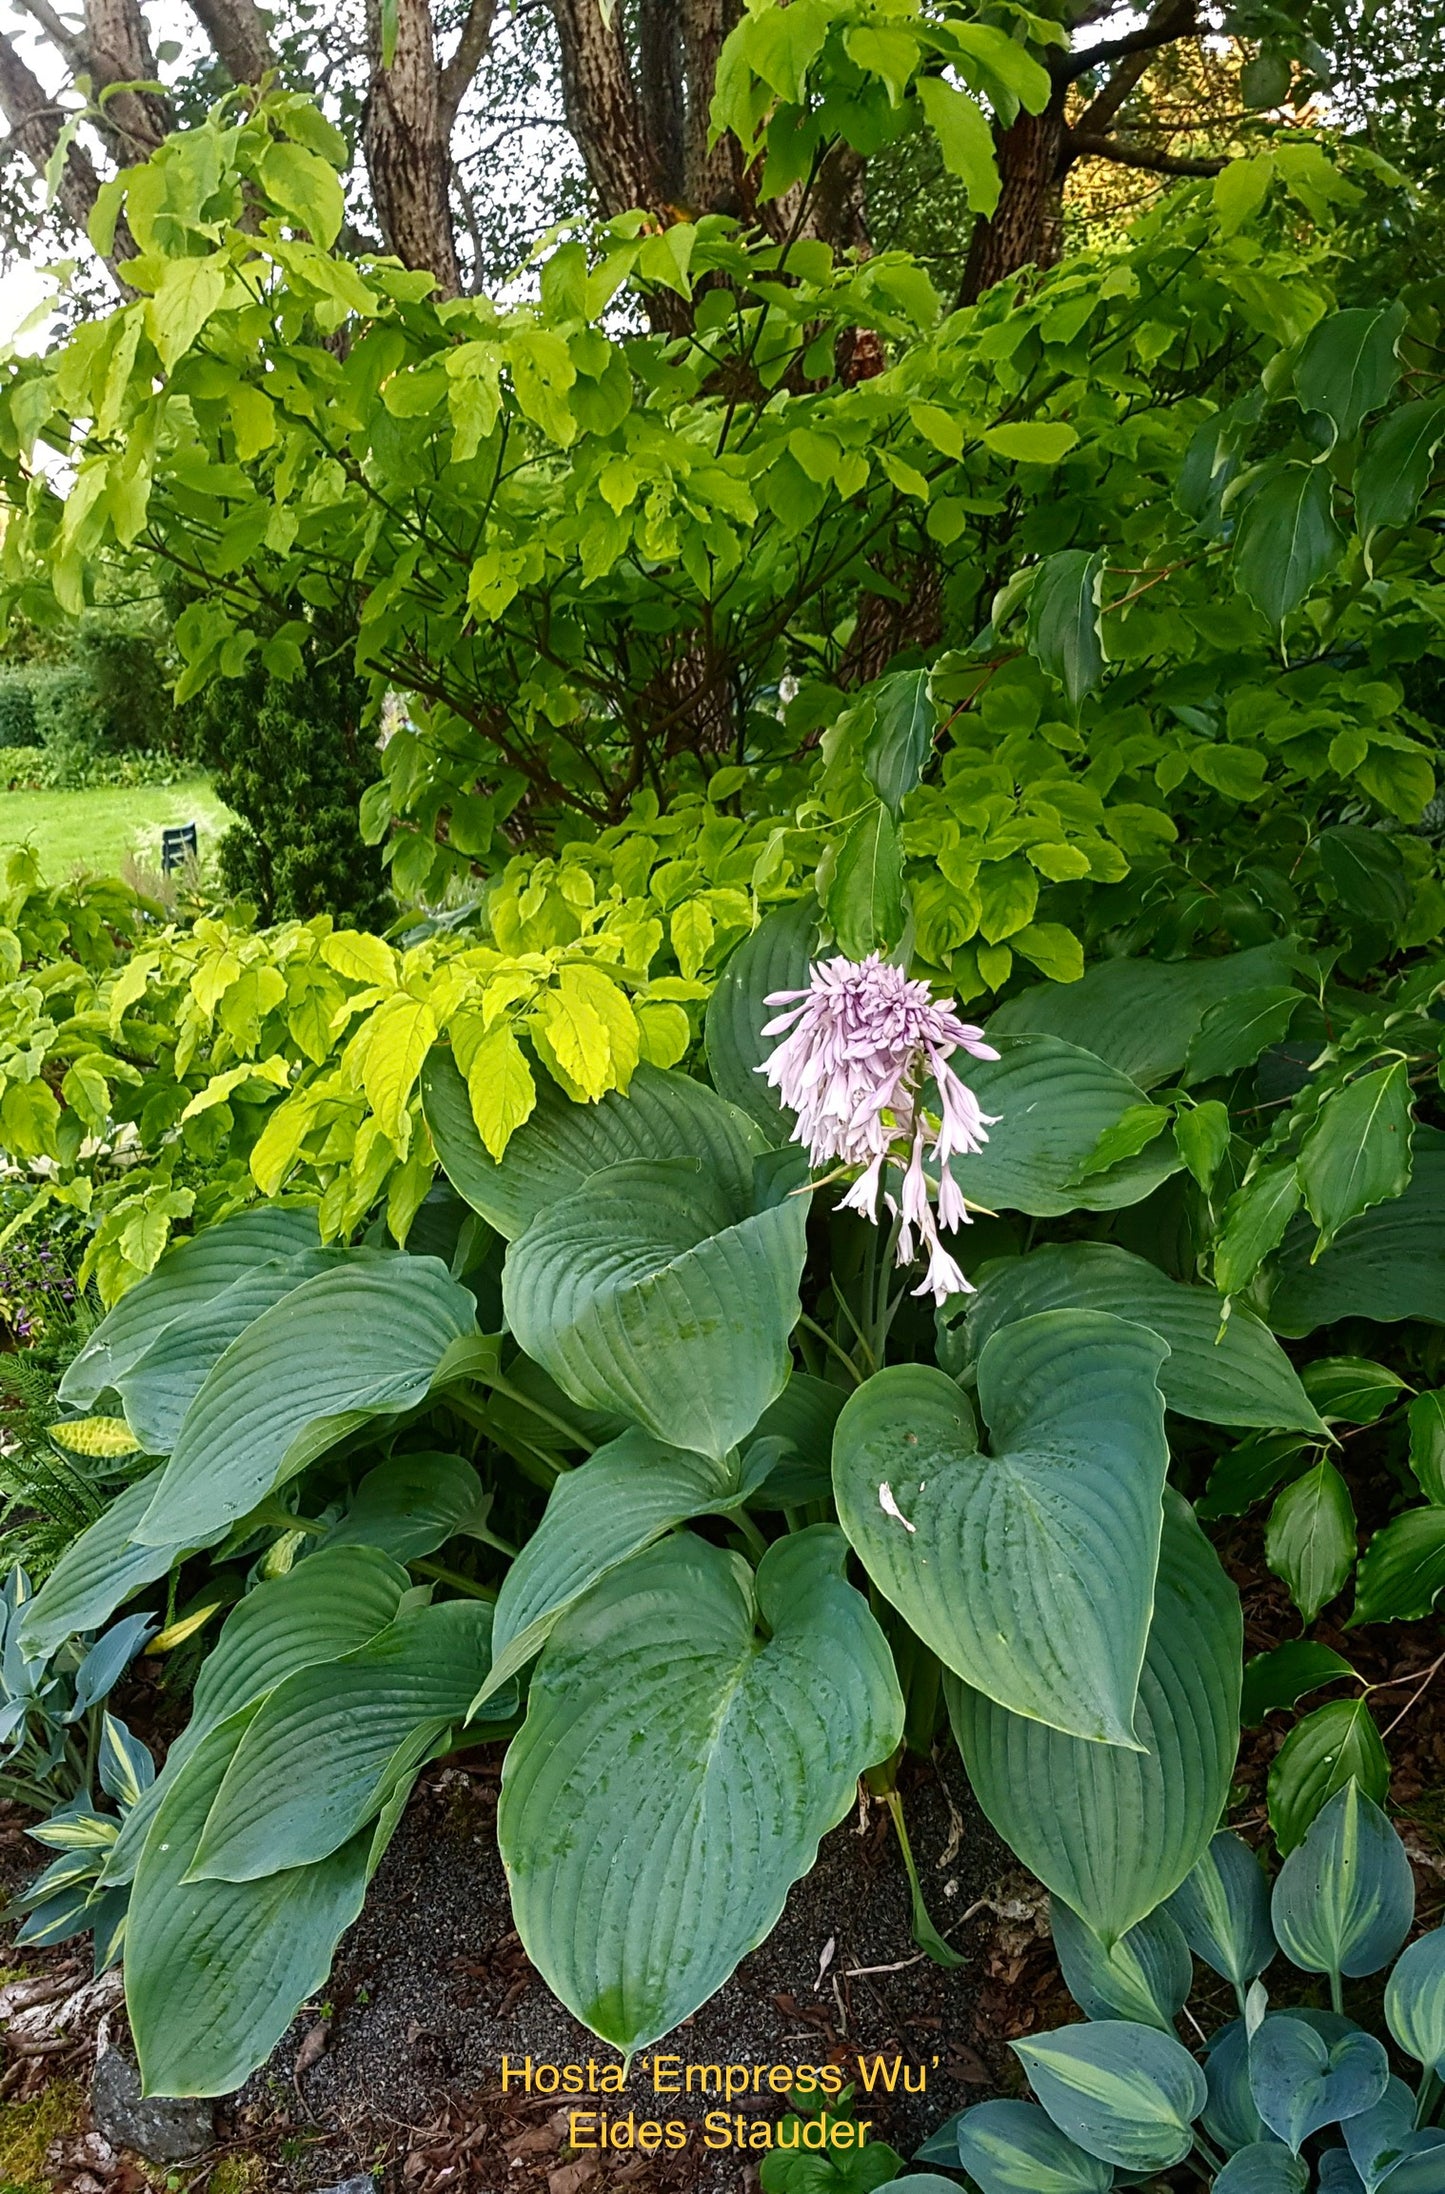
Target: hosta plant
1285	2097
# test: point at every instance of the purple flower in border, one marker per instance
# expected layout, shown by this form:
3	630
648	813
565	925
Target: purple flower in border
861	1041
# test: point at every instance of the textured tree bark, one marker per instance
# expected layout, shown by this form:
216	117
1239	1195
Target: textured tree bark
604	108
118	49
1026	225
407	154
712	178
35	123
237	31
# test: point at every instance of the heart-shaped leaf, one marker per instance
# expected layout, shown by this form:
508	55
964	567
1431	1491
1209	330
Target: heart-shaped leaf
562	1144
189	1276
1301	2080
1263	2168
328	1744
165	1378
330	1603
1014	2148
216	1972
1388	2150
1028	1571
410	1505
1052	1102
691	1734
1120	2091
776	957
1415	2001
362	1341
1344	1898
1238	1377
1230	2117
665	1292
1223	1908
1139	1015
1109	1831
623	1498
1145	1976
1387	1264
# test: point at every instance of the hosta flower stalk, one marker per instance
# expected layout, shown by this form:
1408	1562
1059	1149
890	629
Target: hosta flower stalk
862	1043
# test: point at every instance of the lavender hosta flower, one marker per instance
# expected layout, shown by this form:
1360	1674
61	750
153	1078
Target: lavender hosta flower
863	1041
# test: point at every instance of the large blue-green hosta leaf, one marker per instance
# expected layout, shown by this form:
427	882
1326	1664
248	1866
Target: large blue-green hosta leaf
691	1733
625	1496
1386	1265
562	1144
1052	1102
1029	1571
1139	1015
1240	1376
189	1276
1113	1832
666	1292
1345	1898
1123	2092
98	1571
365	1340
329	1604
776	957
216	1971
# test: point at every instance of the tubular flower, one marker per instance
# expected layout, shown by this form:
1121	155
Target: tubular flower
863	1042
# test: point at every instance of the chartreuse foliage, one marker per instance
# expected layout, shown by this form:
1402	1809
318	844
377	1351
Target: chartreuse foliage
1081	656
1286	2100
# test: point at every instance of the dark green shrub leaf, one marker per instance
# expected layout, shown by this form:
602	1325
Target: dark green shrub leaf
186	1278
1286	540
864	900
360	1342
1331	1747
326	1747
1302	2081
1146	1976
1250	1471
1236	1030
1402	1570
330	1603
1415	2000
1118	2090
1028	1571
625	1496
1279	1678
1222	1909
896	750
1386	1265
1014	2148
1352	1389
1345	1897
410	1505
1395	466
1349	365
677	1769
1427	1444
662	1291
1140	1016
1309	1540
1109	1831
1365	874
1245	1378
562	1144
1063	620
1255	1219
1358	1151
1202	1137
1052	1102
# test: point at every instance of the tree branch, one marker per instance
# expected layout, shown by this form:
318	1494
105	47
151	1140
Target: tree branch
1082	146
118	51
67	43
1173	19
471	50
36	121
237	30
603	108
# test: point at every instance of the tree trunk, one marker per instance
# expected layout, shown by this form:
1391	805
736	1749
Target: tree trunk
237	30
407	155
604	108
1026	228
118	49
35	121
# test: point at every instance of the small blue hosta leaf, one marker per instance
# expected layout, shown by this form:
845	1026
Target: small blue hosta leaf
125	1765
1121	2091
1012	2148
1344	1898
1301	2080
1263	2168
1223	1911
1230	2117
1145	1976
1338	2175
108	1660
1387	2150
1415	2001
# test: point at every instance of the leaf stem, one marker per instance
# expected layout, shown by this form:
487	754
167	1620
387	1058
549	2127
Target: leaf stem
813	1327
1427	2096
455	1579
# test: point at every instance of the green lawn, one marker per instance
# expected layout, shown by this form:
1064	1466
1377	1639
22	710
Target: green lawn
102	829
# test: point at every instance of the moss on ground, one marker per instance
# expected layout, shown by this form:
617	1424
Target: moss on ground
234	2175
27	2130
